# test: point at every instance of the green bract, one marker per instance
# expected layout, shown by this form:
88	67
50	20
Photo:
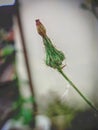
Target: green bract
54	57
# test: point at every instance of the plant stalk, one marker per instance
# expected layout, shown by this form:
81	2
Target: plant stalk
74	86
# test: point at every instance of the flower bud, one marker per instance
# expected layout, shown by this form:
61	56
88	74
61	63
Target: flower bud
40	28
54	57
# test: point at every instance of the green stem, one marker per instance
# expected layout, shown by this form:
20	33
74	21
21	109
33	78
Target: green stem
74	86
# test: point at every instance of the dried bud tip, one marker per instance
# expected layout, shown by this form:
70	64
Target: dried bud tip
37	21
40	28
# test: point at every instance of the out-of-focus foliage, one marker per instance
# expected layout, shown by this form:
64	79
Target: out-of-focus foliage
56	108
24	112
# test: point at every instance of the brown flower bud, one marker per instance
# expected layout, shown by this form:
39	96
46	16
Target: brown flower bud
40	28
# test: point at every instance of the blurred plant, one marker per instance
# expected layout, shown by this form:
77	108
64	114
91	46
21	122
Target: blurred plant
58	109
24	113
6	37
54	59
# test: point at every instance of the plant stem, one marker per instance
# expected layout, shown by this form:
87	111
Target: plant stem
74	86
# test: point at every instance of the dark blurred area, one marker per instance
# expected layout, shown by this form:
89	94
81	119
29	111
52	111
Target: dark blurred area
11	102
91	5
6	14
9	92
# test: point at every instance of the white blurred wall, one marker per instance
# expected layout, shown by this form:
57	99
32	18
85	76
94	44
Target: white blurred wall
73	31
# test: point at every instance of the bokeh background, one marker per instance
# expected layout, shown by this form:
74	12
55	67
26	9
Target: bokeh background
72	27
72	30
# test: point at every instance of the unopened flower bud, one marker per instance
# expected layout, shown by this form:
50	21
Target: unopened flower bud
54	57
40	28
